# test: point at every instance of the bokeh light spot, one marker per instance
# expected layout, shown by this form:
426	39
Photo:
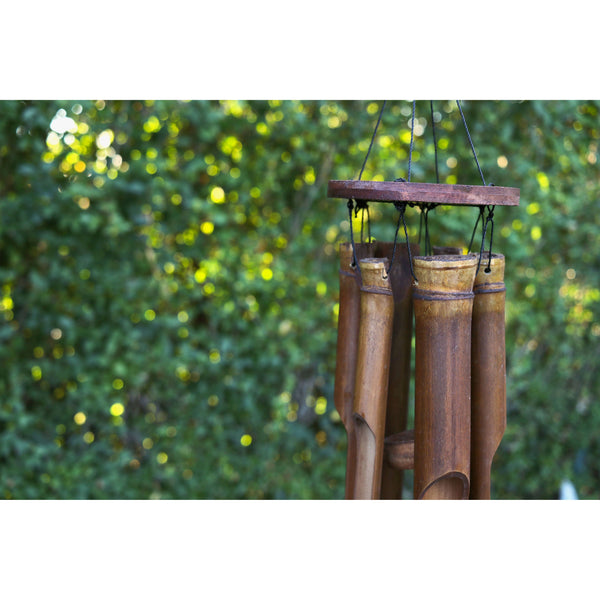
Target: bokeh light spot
207	228
321	405
105	139
79	418
117	409
217	195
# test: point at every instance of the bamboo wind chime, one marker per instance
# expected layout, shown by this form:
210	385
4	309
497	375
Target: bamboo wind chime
457	302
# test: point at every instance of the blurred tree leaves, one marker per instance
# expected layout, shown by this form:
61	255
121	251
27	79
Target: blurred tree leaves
178	260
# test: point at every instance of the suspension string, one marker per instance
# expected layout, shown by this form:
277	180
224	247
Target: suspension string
424	220
372	140
412	138
350	206
363	206
428	246
485	224
437	175
394	247
362	225
427	241
488	220
470	141
401	207
480	216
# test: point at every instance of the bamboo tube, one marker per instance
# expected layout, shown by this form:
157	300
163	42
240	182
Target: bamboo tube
399	381
488	374
443	302
372	374
347	344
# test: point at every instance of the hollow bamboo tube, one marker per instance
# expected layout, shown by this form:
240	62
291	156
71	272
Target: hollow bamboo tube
372	374
443	303
488	373
399	381
347	345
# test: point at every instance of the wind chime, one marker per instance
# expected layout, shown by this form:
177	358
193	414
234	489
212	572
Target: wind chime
460	381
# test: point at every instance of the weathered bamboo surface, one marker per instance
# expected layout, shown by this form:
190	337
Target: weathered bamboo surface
443	250
347	348
443	303
460	378
372	374
488	373
399	378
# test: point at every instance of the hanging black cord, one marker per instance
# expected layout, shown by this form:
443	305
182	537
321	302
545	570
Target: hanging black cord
482	245
424	220
401	207
427	240
350	206
488	220
372	139
437	175
362	224
412	139
425	209
479	217
470	141
362	204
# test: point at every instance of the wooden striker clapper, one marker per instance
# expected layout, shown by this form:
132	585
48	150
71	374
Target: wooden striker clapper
457	302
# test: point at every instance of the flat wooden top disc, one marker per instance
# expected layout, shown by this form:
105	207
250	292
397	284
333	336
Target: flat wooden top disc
431	193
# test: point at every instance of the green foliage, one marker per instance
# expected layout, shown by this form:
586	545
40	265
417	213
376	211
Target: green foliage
168	279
